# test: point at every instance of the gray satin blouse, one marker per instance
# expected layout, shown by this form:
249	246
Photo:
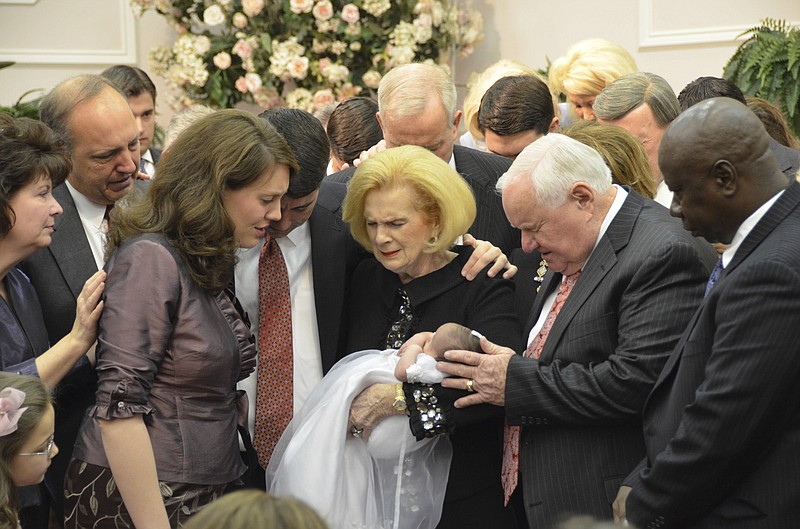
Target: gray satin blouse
173	352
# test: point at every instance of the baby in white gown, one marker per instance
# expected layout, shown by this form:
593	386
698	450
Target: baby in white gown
390	480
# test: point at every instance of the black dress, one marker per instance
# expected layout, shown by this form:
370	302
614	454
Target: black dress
474	496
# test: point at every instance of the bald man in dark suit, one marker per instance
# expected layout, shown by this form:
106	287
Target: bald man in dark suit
722	424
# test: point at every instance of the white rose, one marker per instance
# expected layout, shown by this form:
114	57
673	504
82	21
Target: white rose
350	13
222	60
202	44
240	21
372	79
213	15
252	8
301	6
253	81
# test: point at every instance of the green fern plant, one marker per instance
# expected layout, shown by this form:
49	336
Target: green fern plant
767	65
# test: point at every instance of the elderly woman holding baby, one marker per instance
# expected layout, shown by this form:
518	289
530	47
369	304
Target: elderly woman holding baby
407	207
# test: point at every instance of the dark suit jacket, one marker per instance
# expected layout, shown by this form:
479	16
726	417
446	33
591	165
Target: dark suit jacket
156	154
788	159
481	171
580	404
526	283
722	424
334	256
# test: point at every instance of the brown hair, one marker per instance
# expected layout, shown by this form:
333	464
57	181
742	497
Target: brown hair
229	149
250	509
28	151
37	401
774	121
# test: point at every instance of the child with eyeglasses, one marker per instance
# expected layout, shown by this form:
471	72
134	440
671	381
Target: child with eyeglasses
26	439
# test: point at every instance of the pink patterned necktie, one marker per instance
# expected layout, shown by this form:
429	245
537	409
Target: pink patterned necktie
511	434
274	395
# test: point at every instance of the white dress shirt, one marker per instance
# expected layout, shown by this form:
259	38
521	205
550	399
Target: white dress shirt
663	195
147	165
296	250
94	224
745	228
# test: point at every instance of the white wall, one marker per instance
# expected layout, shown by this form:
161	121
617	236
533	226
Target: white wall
678	39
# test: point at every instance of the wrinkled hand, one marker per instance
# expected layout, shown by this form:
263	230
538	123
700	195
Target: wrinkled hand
370	407
487	371
369	153
88	309
484	254
619	506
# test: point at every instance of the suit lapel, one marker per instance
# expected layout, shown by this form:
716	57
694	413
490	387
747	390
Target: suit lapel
600	263
782	207
69	246
780	210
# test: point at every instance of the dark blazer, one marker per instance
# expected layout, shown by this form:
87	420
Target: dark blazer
334	256
484	304
579	405
788	159
481	171
156	154
722	424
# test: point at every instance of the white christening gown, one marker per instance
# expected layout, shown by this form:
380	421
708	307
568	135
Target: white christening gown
391	481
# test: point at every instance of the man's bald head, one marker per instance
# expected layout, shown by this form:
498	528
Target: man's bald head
716	158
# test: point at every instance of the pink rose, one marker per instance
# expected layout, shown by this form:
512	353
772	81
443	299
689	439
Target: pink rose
298	67
243	49
323	10
241	85
252	8
323	98
324	66
350	13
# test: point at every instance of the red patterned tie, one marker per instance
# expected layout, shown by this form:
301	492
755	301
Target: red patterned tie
274	396
534	350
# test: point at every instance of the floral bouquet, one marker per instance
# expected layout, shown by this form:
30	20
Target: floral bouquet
300	53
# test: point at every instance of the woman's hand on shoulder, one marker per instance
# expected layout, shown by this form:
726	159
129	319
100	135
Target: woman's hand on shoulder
89	307
486	253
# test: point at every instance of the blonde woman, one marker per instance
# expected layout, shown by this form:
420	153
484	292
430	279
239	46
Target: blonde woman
585	69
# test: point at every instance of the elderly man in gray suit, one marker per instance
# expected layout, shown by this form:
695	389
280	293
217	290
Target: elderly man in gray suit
623	281
95	121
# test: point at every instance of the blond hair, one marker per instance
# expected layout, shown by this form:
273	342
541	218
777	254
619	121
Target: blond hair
248	509
407	90
437	190
588	66
622	152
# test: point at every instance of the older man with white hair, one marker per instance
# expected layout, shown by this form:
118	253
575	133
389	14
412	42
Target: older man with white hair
624	278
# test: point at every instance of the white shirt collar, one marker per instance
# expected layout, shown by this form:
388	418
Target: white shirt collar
89	211
616	205
745	228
